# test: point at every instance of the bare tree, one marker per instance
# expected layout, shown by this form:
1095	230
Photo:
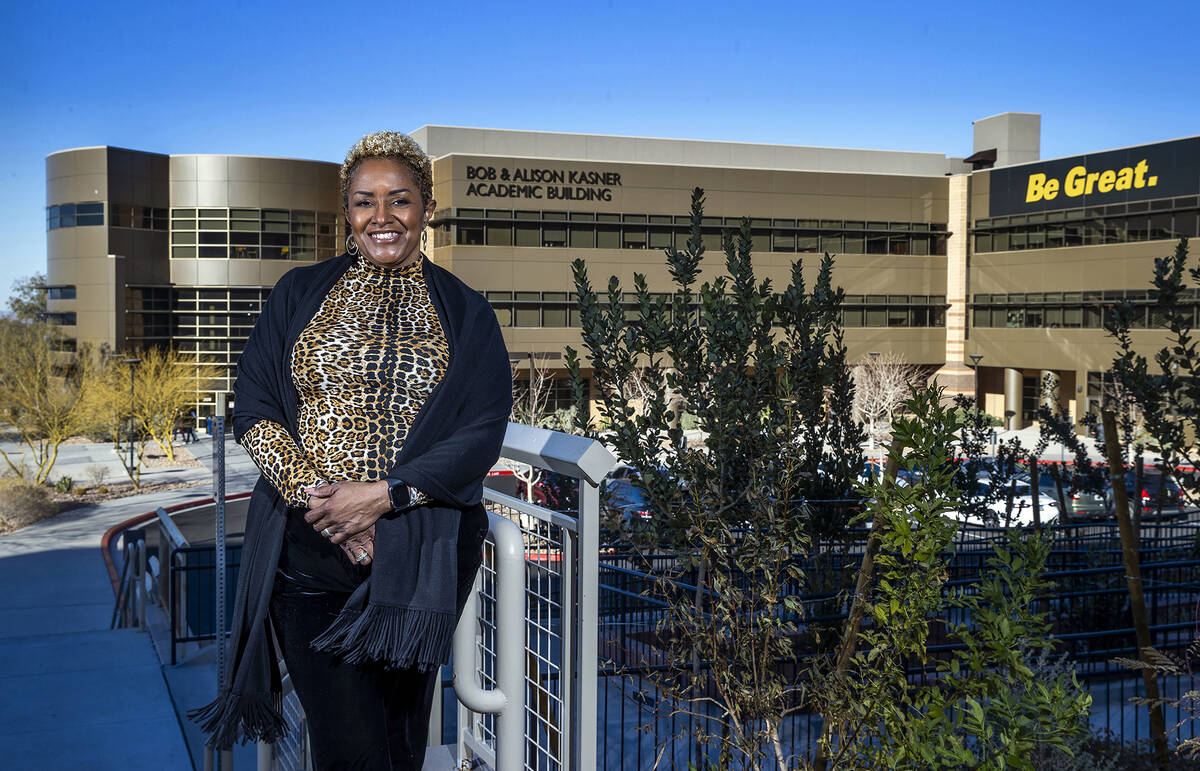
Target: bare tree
882	382
532	407
40	393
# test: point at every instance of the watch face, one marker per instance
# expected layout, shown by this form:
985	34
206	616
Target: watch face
397	495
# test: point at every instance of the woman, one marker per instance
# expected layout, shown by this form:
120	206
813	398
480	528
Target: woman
373	394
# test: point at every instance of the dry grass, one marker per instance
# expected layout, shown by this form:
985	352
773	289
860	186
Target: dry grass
23	504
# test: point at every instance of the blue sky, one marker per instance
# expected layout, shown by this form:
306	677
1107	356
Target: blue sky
305	80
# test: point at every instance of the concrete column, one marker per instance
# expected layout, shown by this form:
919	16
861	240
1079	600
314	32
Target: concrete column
1012	399
955	375
1049	386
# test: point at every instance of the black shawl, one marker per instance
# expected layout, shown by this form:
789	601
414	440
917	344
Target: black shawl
403	615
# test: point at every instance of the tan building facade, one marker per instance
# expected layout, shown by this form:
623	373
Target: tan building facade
917	238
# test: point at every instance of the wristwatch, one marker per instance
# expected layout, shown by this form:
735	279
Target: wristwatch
400	494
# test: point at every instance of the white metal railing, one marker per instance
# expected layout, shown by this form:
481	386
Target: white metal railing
555	727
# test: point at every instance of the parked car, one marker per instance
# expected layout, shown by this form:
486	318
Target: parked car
624	504
1081	504
1022	505
1152	483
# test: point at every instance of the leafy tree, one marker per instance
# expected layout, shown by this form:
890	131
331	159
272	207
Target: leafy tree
27	303
765	376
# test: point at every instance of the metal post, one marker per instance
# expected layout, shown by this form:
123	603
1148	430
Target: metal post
587	616
507	700
132	362
218	459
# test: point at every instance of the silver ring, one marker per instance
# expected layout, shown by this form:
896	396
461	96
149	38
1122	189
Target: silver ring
326	533
362	556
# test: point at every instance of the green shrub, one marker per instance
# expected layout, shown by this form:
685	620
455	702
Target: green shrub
23	504
64	484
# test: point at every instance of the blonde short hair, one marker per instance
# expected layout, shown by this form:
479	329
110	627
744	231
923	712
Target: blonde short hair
397	147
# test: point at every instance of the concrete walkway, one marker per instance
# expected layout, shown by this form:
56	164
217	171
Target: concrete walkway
77	694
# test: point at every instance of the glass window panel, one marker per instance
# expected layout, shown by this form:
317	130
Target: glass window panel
89	208
582	216
244	239
898	245
1014	317
852	317
183	251
982	317
876	316
1034	317
1160	227
528	316
712	243
855	244
918	316
275	252
213	213
213	252
1000	241
582	238
608	238
642	218
1053	317
661	239
806	242
527	235
469	235
470	212
783	242
89	219
831	242
527	296
498	235
1186	224
633	239
602	217
1072	317
555	297
1138	228
66	209
554	317
983	242
554	235
920	245
576	318
67	221
276	239
215	225
897	317
877	245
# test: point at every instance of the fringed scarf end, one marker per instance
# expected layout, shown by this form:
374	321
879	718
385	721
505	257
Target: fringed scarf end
398	638
234	718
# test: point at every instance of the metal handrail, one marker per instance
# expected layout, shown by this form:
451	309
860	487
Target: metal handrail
507	701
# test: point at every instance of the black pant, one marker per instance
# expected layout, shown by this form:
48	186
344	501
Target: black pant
360	717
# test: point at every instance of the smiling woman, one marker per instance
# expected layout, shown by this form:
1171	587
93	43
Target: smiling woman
373	394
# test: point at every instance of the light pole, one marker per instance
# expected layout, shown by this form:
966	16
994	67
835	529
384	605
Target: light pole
975	359
132	363
871	434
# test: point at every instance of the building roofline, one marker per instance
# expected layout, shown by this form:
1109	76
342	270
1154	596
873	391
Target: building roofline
191	155
1097	152
939	156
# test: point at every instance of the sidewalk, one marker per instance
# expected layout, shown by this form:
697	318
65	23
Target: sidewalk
77	694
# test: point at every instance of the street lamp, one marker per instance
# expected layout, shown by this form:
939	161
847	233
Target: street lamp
871	435
975	359
132	363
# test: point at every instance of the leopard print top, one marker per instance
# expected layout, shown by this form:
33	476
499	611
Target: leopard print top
363	368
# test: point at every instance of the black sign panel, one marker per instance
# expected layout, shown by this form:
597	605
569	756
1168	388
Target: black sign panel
1160	170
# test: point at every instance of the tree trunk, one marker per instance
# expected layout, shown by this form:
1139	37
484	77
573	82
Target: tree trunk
1133	576
862	585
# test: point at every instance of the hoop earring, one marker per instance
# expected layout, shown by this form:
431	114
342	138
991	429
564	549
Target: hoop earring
424	239
351	246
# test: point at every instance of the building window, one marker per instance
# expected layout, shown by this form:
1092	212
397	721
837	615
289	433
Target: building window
66	292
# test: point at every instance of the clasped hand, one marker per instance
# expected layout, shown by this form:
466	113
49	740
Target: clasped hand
349	510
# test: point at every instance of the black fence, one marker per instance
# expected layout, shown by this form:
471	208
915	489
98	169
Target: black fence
1087	605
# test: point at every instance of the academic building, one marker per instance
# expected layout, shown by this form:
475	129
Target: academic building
1000	256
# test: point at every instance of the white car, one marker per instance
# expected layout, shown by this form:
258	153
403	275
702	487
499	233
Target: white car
1022	506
